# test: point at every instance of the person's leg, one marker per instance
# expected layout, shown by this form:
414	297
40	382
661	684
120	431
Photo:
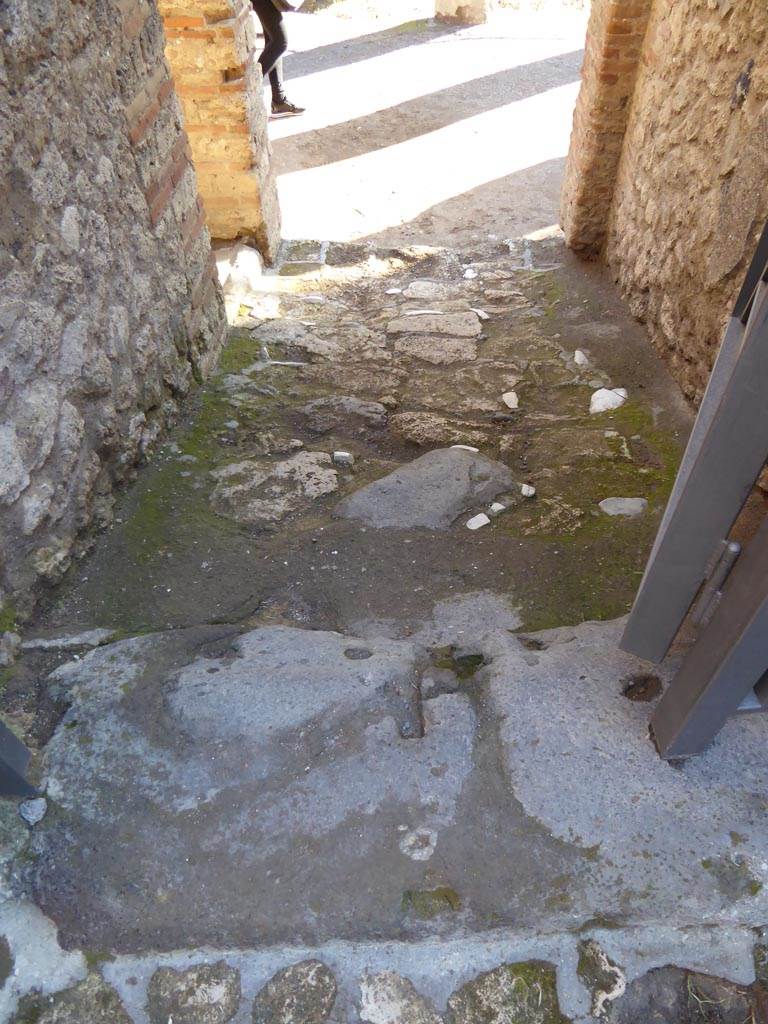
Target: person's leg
276	41
276	82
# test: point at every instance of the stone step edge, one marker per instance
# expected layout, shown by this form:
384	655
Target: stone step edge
437	967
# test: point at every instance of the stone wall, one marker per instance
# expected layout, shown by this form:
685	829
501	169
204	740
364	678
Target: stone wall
211	47
692	188
677	215
108	302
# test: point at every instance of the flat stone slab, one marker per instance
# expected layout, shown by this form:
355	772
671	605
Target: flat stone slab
459	325
683	843
229	790
427	291
436	349
346	412
259	493
432	491
429	429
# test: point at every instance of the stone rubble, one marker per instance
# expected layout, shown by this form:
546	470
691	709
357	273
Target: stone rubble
606	399
389	998
33	811
301	994
10	646
525	993
204	994
623	506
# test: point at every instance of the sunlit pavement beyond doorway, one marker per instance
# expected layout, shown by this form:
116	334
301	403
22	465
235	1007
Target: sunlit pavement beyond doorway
418	131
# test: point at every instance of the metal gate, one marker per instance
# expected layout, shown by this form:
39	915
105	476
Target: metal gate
694	566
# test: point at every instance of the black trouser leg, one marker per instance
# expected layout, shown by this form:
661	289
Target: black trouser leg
276	42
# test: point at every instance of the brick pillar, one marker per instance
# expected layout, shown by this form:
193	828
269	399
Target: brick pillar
468	12
211	47
612	56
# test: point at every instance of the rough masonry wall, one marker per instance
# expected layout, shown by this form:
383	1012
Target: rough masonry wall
211	47
692	188
108	303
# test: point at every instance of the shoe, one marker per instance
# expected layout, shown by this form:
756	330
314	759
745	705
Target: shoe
283	108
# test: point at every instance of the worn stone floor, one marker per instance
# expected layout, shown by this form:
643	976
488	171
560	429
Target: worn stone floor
296	720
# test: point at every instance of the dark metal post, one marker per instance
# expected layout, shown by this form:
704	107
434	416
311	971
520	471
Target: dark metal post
14	758
727	450
727	662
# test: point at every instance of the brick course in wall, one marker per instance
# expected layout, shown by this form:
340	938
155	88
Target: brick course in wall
611	59
109	306
211	47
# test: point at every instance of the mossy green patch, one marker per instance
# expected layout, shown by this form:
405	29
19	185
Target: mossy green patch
7	618
733	875
429	903
596	560
241	350
95	957
464	666
30	1009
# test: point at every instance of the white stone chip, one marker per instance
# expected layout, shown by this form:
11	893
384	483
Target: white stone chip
580	358
477	521
623	506
470	274
481	313
419	844
605	399
344	458
394	291
424	312
496	508
510	399
528	491
466	448
33	811
88	638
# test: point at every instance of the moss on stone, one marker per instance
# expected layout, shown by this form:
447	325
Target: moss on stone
519	993
599	558
7	618
464	666
429	903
